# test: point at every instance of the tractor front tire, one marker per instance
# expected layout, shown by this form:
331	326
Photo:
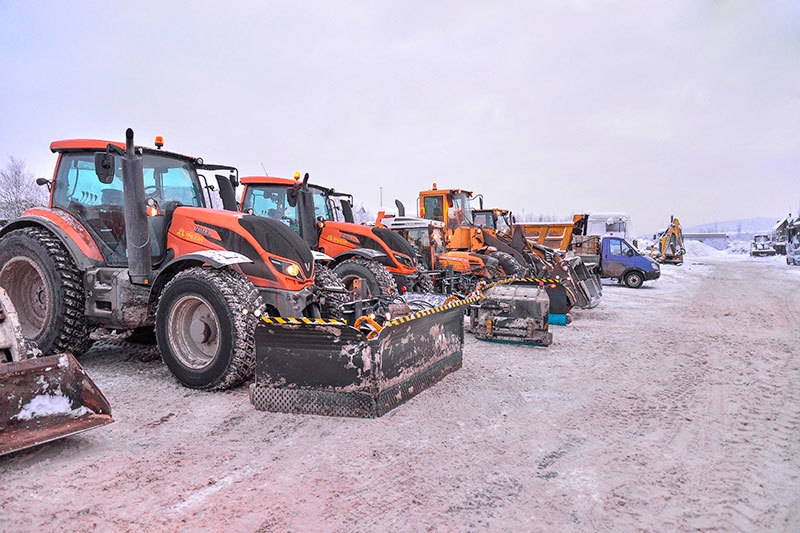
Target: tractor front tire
509	266
633	279
378	279
331	302
46	288
205	326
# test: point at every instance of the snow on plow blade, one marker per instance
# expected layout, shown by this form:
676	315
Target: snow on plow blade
46	398
321	367
515	310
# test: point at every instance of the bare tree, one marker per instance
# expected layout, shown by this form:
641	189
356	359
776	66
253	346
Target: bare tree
361	215
18	189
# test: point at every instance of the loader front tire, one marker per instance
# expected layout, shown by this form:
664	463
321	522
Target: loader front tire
633	279
46	288
331	302
379	281
205	326
509	266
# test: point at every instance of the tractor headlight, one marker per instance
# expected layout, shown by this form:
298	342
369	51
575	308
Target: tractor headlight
287	267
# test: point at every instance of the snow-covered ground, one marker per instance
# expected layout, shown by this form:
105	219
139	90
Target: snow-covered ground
674	406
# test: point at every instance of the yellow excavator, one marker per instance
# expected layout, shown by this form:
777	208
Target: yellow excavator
669	248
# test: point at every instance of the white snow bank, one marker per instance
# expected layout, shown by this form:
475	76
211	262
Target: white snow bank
699	249
50	404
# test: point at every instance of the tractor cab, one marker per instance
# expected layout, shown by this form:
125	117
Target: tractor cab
170	180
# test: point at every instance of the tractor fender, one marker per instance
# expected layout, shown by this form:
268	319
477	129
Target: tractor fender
215	258
366	253
75	238
319	257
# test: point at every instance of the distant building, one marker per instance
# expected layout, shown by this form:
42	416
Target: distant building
715	240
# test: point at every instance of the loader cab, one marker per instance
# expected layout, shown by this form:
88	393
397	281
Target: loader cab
499	220
450	206
169	181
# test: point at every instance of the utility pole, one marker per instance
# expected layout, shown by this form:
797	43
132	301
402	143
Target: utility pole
381	188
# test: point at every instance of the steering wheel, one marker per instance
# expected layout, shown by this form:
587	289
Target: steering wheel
153	187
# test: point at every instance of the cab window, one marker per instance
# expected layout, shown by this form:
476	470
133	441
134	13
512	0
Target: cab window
615	247
271	201
434	209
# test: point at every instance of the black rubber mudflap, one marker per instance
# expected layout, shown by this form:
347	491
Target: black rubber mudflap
314	366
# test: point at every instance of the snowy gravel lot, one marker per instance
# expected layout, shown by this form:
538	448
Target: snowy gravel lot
675	406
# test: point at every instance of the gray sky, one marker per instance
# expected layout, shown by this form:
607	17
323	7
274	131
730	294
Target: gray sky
651	108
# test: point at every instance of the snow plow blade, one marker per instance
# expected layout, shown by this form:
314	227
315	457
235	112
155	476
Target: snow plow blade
323	367
515	311
47	398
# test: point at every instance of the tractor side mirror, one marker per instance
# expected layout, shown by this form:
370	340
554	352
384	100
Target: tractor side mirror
104	167
291	197
44	181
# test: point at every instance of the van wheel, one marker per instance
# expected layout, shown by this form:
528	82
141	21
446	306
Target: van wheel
633	279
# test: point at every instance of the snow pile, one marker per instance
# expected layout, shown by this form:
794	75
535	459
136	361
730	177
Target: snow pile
700	249
50	404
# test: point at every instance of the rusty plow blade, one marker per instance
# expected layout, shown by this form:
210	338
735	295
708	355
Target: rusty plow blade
323	367
47	398
514	311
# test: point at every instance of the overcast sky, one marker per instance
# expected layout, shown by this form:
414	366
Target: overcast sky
651	108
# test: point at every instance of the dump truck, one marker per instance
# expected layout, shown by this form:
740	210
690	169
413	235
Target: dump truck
762	245
203	278
616	258
668	246
385	262
41	398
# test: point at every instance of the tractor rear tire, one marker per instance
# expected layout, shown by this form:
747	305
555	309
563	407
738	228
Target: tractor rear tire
379	281
46	289
332	302
509	266
634	279
205	325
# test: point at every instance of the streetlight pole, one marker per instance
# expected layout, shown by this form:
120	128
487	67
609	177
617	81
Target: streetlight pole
381	188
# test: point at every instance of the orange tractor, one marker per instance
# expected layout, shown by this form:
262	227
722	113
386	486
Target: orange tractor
323	218
204	279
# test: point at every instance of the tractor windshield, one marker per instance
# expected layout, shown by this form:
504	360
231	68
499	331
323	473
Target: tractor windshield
272	201
502	222
461	212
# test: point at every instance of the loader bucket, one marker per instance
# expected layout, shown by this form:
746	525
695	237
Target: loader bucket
514	311
46	398
323	367
583	284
